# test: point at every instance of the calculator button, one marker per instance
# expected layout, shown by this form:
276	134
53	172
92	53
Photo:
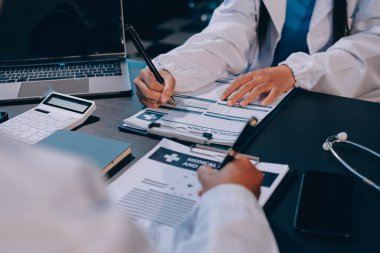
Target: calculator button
32	124
23	128
59	124
51	129
15	126
41	127
28	133
42	135
33	139
50	122
14	133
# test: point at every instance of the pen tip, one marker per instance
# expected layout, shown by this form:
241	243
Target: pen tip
172	101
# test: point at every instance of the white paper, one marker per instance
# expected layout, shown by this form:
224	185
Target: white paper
201	112
161	189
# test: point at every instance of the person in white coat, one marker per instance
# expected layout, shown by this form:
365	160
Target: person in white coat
52	202
329	46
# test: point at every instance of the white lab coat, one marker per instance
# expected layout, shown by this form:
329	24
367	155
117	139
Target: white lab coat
56	203
228	45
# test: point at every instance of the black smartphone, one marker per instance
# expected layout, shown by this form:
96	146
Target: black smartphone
325	204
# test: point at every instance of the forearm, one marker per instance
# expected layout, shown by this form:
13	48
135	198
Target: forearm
220	49
350	66
229	219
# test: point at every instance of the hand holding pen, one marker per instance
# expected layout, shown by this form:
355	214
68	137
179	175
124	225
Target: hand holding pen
154	87
236	167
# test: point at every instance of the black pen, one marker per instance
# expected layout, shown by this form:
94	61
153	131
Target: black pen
140	48
241	143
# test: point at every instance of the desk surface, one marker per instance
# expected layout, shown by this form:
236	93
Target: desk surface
294	136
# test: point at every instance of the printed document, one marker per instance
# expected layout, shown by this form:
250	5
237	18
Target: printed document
161	189
197	113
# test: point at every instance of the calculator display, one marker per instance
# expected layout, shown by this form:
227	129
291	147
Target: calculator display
71	104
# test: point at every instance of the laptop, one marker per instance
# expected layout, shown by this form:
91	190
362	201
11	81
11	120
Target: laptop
74	47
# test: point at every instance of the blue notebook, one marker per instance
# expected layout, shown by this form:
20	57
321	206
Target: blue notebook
104	152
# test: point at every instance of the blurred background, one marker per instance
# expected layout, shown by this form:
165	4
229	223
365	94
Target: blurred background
166	24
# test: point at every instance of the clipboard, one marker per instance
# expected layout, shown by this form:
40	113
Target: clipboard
156	127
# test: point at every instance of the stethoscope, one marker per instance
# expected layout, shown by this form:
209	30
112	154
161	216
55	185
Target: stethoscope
342	137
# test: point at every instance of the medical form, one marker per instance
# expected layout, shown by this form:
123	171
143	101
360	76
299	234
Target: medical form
199	117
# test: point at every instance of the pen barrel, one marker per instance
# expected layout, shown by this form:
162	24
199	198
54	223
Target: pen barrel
140	48
158	77
244	137
229	158
241	143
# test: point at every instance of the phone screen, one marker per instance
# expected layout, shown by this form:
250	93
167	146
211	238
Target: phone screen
325	204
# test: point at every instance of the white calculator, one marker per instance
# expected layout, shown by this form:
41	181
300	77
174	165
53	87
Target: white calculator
56	111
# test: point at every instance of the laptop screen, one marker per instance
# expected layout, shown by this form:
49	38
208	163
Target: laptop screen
44	29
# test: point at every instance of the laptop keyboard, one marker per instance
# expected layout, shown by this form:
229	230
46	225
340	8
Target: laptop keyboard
59	71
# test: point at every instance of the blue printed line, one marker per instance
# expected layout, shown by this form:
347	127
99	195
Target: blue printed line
179	109
195	98
227	116
220	117
248	108
204	108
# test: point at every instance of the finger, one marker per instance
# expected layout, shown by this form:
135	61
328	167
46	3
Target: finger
272	96
241	92
235	85
204	173
149	104
145	91
150	81
260	89
248	169
169	86
241	162
141	97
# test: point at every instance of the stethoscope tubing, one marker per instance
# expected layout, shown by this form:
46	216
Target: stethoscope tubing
333	139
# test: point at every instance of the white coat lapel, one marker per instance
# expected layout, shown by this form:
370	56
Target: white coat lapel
277	12
323	8
320	26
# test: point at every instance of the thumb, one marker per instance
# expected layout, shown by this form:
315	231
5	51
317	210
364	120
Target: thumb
205	175
169	86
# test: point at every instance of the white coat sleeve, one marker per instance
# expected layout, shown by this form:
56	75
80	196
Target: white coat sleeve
51	202
229	219
350	67
222	48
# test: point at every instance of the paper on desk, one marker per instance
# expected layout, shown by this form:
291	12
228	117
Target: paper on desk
161	189
202	112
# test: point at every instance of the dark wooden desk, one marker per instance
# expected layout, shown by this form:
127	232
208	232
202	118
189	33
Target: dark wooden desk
294	136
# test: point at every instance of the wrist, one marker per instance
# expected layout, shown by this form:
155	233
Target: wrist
290	74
